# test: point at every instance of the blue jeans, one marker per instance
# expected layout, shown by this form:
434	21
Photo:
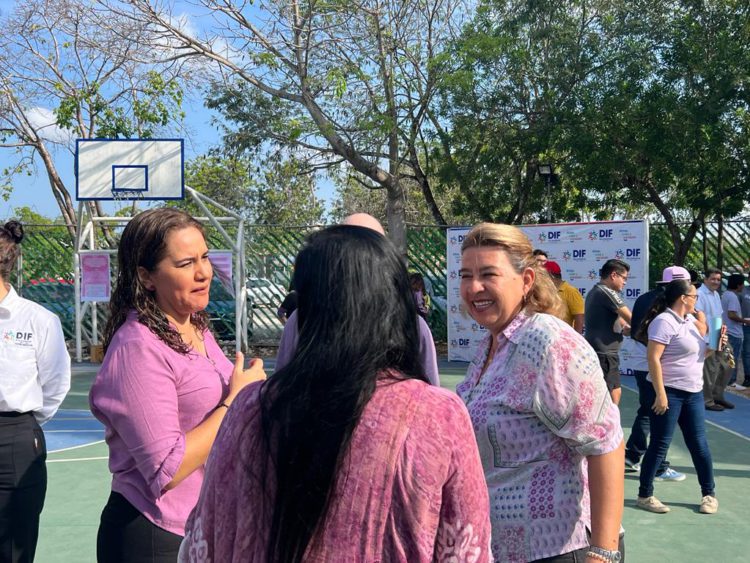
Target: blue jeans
638	440
736	342
746	353
688	410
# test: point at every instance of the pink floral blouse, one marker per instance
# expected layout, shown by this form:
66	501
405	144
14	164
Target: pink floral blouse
411	487
538	410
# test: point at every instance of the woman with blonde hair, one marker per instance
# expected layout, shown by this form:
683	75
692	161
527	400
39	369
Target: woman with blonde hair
548	433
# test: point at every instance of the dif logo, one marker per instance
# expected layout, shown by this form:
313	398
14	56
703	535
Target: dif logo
463	342
553	235
605	234
579	254
582	291
632	292
633	253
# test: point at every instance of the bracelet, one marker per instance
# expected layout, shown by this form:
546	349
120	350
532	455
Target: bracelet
602	554
222	404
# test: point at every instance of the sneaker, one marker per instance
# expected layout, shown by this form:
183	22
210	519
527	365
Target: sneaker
709	505
725	404
715	407
738	387
632	466
653	504
670	475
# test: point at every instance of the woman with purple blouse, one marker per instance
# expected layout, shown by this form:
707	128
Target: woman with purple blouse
163	389
548	433
346	453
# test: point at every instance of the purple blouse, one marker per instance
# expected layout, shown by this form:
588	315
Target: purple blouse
411	487
148	397
539	409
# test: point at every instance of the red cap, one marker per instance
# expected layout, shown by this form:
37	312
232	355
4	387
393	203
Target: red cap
553	267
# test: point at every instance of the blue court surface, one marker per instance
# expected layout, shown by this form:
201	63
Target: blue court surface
71	428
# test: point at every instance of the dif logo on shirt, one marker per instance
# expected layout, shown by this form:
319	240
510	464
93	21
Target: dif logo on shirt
19	338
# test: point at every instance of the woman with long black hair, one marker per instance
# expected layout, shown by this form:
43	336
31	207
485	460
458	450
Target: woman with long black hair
346	453
676	351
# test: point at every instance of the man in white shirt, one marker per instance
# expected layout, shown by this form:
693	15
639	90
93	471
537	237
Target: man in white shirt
715	378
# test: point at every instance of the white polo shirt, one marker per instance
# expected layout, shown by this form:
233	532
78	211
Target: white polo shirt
34	361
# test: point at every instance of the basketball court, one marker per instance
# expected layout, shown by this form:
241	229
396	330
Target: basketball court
79	484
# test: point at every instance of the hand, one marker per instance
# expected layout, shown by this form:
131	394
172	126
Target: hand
243	377
724	338
626	329
661	404
700	316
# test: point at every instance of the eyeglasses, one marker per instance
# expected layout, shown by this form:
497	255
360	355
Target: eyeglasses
693	295
624	278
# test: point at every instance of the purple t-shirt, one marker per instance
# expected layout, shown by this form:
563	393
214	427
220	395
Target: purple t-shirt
682	360
427	354
149	397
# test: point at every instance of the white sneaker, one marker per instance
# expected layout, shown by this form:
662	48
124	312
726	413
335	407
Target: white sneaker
653	504
709	505
739	387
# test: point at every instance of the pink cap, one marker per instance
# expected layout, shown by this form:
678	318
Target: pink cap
674	273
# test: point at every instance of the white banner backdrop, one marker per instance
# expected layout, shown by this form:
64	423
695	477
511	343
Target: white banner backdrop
579	248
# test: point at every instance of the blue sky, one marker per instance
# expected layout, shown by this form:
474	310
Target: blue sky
34	191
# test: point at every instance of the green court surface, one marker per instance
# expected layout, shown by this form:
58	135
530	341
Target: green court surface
79	485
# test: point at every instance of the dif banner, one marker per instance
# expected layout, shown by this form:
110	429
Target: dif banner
579	248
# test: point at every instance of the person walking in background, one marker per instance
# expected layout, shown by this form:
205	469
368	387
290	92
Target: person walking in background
715	376
732	318
421	297
34	379
745	305
163	389
570	296
346	453
548	432
607	318
540	256
288	306
638	441
676	351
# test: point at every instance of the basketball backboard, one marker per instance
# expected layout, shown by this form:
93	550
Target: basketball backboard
124	169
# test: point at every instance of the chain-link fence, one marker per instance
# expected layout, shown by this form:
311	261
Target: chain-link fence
45	271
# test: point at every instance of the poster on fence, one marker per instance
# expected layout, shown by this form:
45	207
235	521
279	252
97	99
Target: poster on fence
95	284
579	248
221	260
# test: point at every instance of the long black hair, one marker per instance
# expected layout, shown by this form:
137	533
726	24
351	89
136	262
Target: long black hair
672	292
357	322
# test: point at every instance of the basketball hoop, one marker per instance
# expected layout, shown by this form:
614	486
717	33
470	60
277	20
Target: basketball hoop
127	195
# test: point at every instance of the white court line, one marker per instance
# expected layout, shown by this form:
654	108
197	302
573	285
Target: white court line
719	426
75	447
77	459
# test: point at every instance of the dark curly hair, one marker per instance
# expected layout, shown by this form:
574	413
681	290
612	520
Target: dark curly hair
10	235
144	244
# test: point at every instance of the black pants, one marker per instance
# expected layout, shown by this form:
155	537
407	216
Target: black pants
23	485
127	536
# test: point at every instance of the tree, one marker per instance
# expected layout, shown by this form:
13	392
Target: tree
339	81
520	64
669	124
66	72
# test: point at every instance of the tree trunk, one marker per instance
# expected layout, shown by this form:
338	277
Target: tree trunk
62	197
395	213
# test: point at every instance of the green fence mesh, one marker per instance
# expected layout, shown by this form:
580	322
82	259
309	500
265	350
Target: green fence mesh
45	271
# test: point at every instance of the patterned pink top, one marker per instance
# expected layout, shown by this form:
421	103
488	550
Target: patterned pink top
411	487
538	410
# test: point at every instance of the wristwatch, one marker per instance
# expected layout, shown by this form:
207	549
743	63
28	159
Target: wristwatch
605	554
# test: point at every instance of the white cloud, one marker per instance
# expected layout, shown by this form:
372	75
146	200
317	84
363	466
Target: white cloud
45	124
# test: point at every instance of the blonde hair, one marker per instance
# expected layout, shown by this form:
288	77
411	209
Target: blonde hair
543	296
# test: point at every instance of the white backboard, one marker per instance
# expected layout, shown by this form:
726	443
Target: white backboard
119	169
